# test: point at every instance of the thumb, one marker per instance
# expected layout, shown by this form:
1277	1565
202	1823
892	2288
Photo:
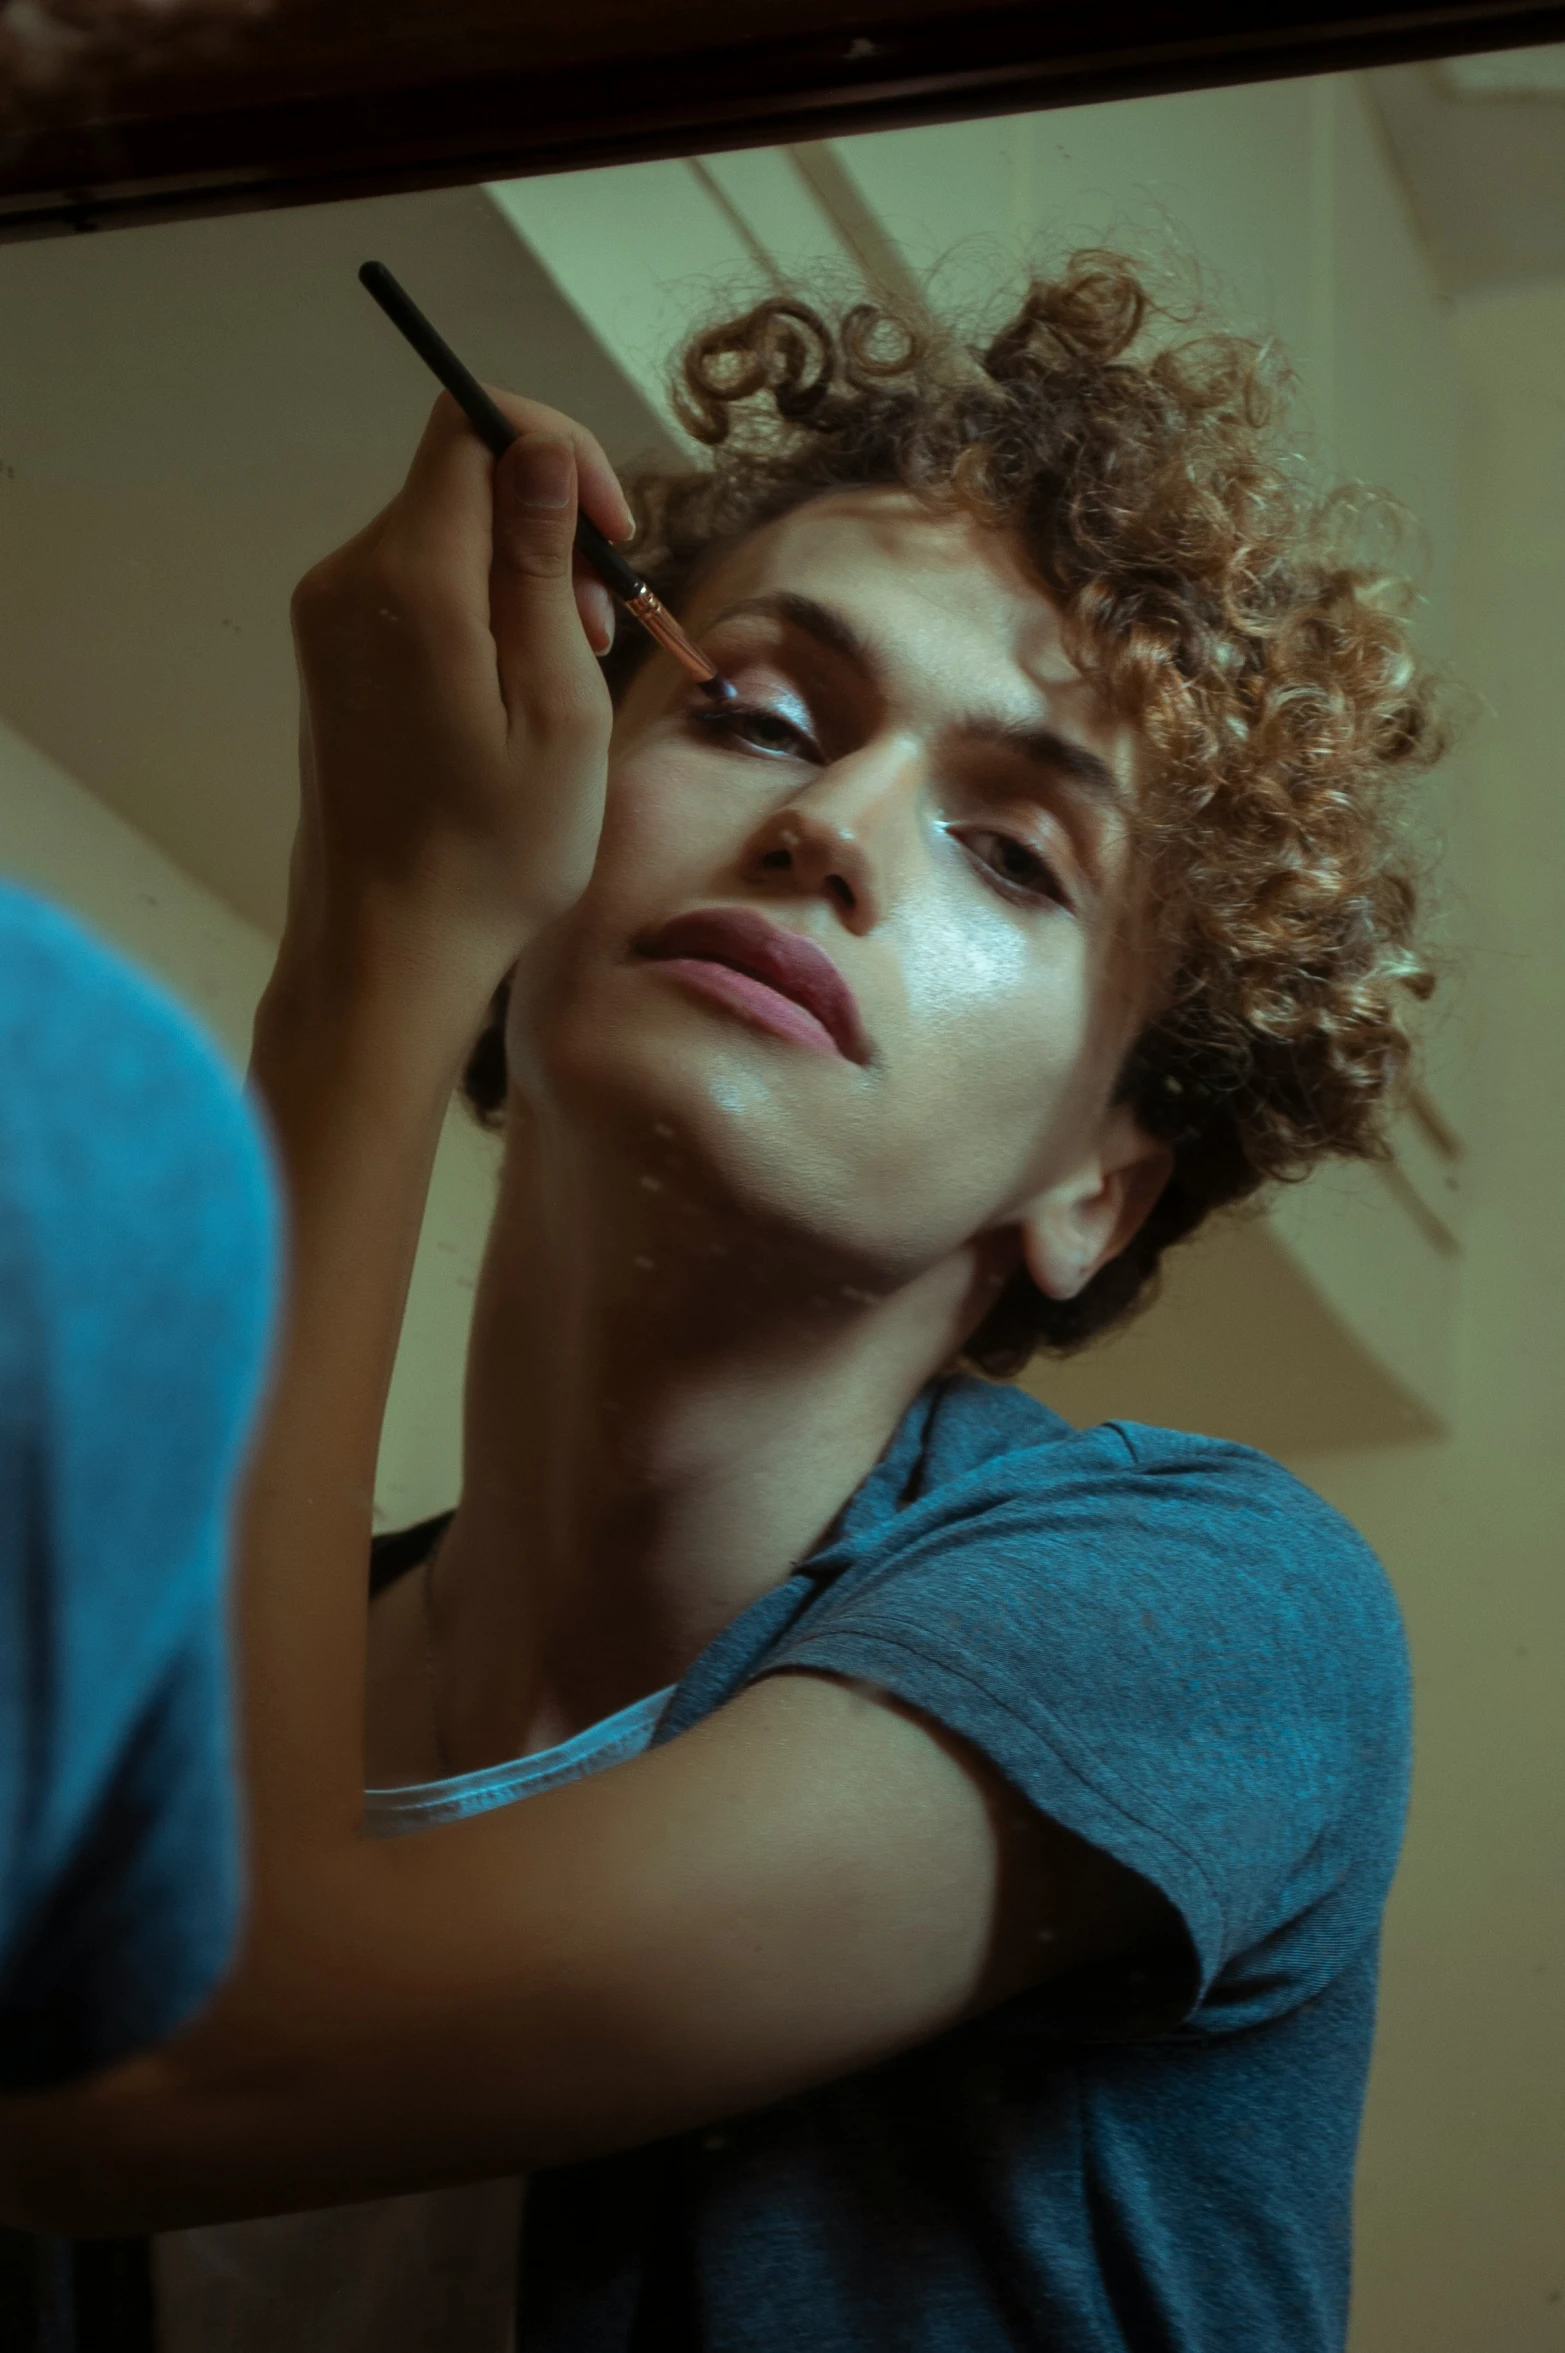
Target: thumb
544	658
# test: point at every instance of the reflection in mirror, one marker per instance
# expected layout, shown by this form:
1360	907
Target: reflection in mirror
1037	899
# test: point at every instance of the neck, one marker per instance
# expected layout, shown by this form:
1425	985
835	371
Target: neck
665	1411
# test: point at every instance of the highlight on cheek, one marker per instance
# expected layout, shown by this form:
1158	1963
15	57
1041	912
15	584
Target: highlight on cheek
985	978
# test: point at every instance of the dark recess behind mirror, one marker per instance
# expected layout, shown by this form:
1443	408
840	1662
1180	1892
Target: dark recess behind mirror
314	99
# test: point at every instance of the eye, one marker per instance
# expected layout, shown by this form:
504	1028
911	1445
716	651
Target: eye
1014	865
763	730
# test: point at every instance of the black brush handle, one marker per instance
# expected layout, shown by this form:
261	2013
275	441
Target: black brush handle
490	423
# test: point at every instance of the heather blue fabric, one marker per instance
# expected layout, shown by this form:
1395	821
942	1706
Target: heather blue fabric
1173	1648
136	1267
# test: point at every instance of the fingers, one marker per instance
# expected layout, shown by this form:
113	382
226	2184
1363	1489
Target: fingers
547	675
440	522
433	539
595	605
483	549
597	484
448	431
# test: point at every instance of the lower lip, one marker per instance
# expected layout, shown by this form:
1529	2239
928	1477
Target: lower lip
767	1007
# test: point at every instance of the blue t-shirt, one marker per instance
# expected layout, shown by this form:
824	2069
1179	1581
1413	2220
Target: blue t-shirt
1174	1649
136	1266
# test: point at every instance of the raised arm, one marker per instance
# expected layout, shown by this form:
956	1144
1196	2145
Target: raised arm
453	754
806	1883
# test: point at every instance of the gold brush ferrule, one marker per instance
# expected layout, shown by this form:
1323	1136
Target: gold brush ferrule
660	623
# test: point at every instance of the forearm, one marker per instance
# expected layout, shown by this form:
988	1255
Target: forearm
354	1070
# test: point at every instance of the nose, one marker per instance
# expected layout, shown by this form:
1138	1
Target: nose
834	839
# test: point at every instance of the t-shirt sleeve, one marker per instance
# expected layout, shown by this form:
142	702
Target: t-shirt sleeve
1172	1648
137	1262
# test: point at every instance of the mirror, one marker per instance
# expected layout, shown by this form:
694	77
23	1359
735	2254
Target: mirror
192	412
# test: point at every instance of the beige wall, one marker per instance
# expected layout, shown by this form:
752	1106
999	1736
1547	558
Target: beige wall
1462	2183
60	839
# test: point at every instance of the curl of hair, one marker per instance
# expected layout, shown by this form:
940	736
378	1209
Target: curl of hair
1218	605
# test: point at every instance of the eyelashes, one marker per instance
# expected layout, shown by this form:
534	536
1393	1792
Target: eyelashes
763	729
1013	865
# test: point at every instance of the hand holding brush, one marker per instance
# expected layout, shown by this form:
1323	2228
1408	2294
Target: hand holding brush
497	432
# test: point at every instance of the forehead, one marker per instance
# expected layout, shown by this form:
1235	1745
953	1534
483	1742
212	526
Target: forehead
950	606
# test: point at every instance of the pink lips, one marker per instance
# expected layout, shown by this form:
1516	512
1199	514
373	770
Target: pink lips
777	977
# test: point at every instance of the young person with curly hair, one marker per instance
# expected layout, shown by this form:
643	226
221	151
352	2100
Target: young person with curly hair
973	1944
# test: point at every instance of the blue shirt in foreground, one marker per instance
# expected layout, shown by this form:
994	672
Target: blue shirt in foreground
1173	1648
136	1266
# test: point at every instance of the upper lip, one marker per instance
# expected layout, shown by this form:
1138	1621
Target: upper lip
784	960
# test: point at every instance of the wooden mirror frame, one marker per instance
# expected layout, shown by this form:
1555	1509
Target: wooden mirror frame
299	101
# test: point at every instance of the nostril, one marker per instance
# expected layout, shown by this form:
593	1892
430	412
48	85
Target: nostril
778	861
839	889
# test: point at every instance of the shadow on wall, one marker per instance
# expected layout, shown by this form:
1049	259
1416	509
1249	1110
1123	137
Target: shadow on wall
1240	1345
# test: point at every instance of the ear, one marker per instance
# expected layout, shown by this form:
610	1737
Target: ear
1086	1219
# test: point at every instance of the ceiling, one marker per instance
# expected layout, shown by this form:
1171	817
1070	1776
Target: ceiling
1479	143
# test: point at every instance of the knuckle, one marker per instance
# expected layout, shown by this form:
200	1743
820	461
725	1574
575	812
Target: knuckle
540	563
315	592
564	715
367	605
582	711
405	592
541	549
396	586
529	416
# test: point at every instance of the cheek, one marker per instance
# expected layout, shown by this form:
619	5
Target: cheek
660	847
963	976
661	825
994	998
998	1053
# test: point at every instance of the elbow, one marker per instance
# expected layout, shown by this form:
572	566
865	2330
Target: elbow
100	2159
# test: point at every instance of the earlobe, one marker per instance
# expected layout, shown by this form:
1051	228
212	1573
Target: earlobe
1078	1225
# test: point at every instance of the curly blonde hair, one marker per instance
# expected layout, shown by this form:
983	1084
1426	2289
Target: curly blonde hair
1219	605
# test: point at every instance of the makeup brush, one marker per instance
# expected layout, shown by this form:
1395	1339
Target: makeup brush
498	433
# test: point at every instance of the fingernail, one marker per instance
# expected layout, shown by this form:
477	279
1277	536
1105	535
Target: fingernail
541	472
601	605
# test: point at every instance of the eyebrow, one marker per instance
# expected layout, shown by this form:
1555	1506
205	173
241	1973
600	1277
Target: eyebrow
812	619
1044	747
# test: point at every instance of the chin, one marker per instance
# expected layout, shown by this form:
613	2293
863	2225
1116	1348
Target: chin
722	1122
